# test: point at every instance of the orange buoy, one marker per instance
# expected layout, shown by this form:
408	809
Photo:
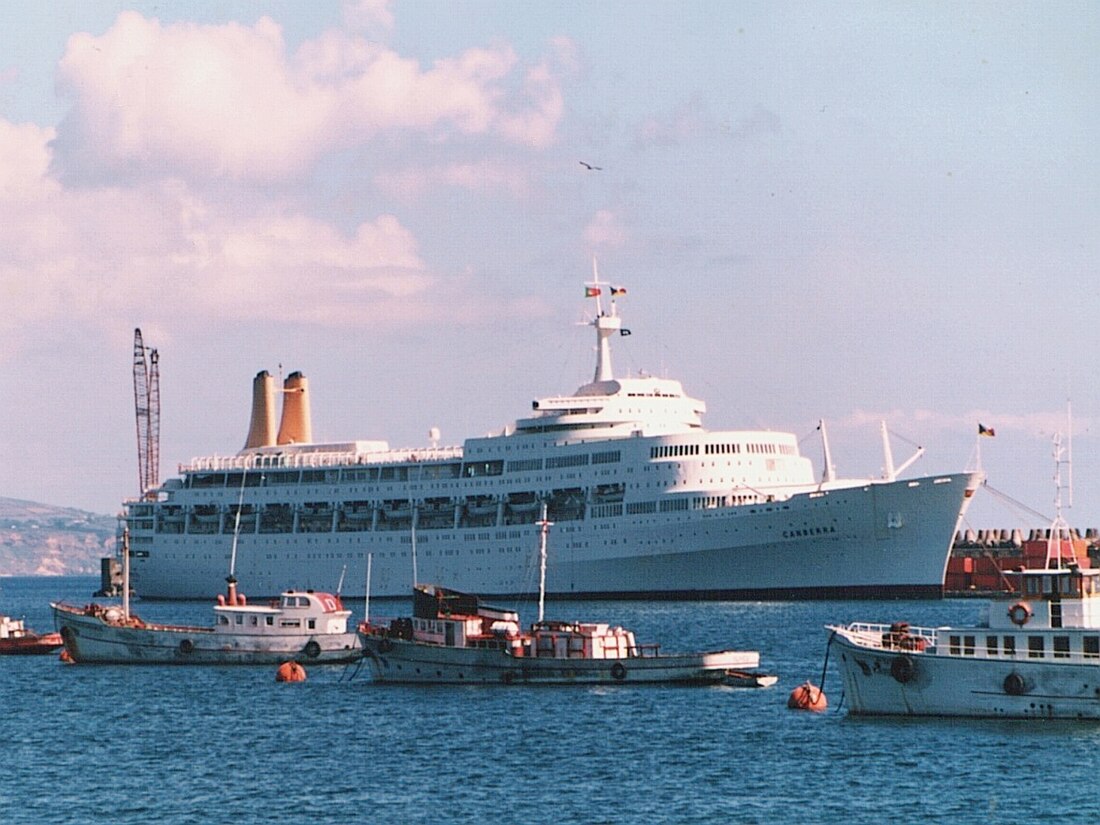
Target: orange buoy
290	672
807	696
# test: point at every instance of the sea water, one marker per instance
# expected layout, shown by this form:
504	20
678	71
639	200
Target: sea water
164	745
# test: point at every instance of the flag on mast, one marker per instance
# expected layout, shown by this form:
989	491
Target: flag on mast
986	431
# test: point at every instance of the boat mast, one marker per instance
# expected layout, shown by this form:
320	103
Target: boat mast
231	579
125	573
606	325
1059	529
544	528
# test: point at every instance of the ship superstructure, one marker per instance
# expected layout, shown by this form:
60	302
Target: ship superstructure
646	501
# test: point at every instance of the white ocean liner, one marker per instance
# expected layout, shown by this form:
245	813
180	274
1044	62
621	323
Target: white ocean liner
648	504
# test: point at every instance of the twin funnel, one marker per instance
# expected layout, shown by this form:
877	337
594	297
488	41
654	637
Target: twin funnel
295	426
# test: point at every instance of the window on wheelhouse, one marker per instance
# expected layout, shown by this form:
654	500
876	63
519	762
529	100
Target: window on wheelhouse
1061	647
1035	647
1010	645
990	645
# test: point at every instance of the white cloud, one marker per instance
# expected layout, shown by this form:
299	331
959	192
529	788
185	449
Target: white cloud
162	252
228	101
24	161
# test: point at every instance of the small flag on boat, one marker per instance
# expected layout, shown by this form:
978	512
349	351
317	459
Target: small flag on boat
624	331
591	291
986	431
618	290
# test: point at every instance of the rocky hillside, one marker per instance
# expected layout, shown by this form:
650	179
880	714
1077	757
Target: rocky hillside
43	540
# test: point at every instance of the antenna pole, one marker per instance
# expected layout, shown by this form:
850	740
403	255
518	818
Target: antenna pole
544	528
366	601
125	573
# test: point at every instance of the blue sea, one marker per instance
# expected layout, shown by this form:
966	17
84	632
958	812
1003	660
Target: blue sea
165	745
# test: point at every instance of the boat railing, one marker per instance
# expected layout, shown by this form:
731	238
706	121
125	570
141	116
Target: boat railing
307	459
895	636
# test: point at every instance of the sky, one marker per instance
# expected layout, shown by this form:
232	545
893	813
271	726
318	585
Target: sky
845	211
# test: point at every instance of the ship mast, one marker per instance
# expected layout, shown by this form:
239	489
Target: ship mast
606	324
544	528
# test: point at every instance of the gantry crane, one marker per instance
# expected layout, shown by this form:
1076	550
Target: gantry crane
147	412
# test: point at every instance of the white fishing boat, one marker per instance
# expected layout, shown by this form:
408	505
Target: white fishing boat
455	638
1034	651
1034	654
304	625
653	503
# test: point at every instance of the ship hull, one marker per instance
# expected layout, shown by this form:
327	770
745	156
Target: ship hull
400	661
873	540
939	685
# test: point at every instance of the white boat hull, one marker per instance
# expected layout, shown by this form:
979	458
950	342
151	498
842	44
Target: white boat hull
407	662
876	540
90	639
944	685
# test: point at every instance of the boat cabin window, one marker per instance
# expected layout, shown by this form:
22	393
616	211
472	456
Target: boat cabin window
240	619
1035	647
1010	645
290	623
1090	646
255	620
312	624
961	644
223	620
990	645
269	620
1061	647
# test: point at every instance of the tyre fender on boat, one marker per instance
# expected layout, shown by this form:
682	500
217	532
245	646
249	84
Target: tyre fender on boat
903	669
1015	685
1019	613
618	671
312	649
186	646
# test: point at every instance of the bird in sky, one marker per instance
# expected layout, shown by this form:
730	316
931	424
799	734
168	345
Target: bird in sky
590	167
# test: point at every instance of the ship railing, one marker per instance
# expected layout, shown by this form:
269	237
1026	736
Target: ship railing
298	460
895	636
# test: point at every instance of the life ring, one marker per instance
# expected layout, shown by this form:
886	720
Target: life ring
1014	684
1020	613
903	669
186	646
385	646
618	672
313	650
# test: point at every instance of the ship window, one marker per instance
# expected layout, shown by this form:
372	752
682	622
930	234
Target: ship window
991	645
269	620
1035	647
223	620
953	642
255	620
312	624
239	619
1061	647
1091	647
968	645
1010	645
